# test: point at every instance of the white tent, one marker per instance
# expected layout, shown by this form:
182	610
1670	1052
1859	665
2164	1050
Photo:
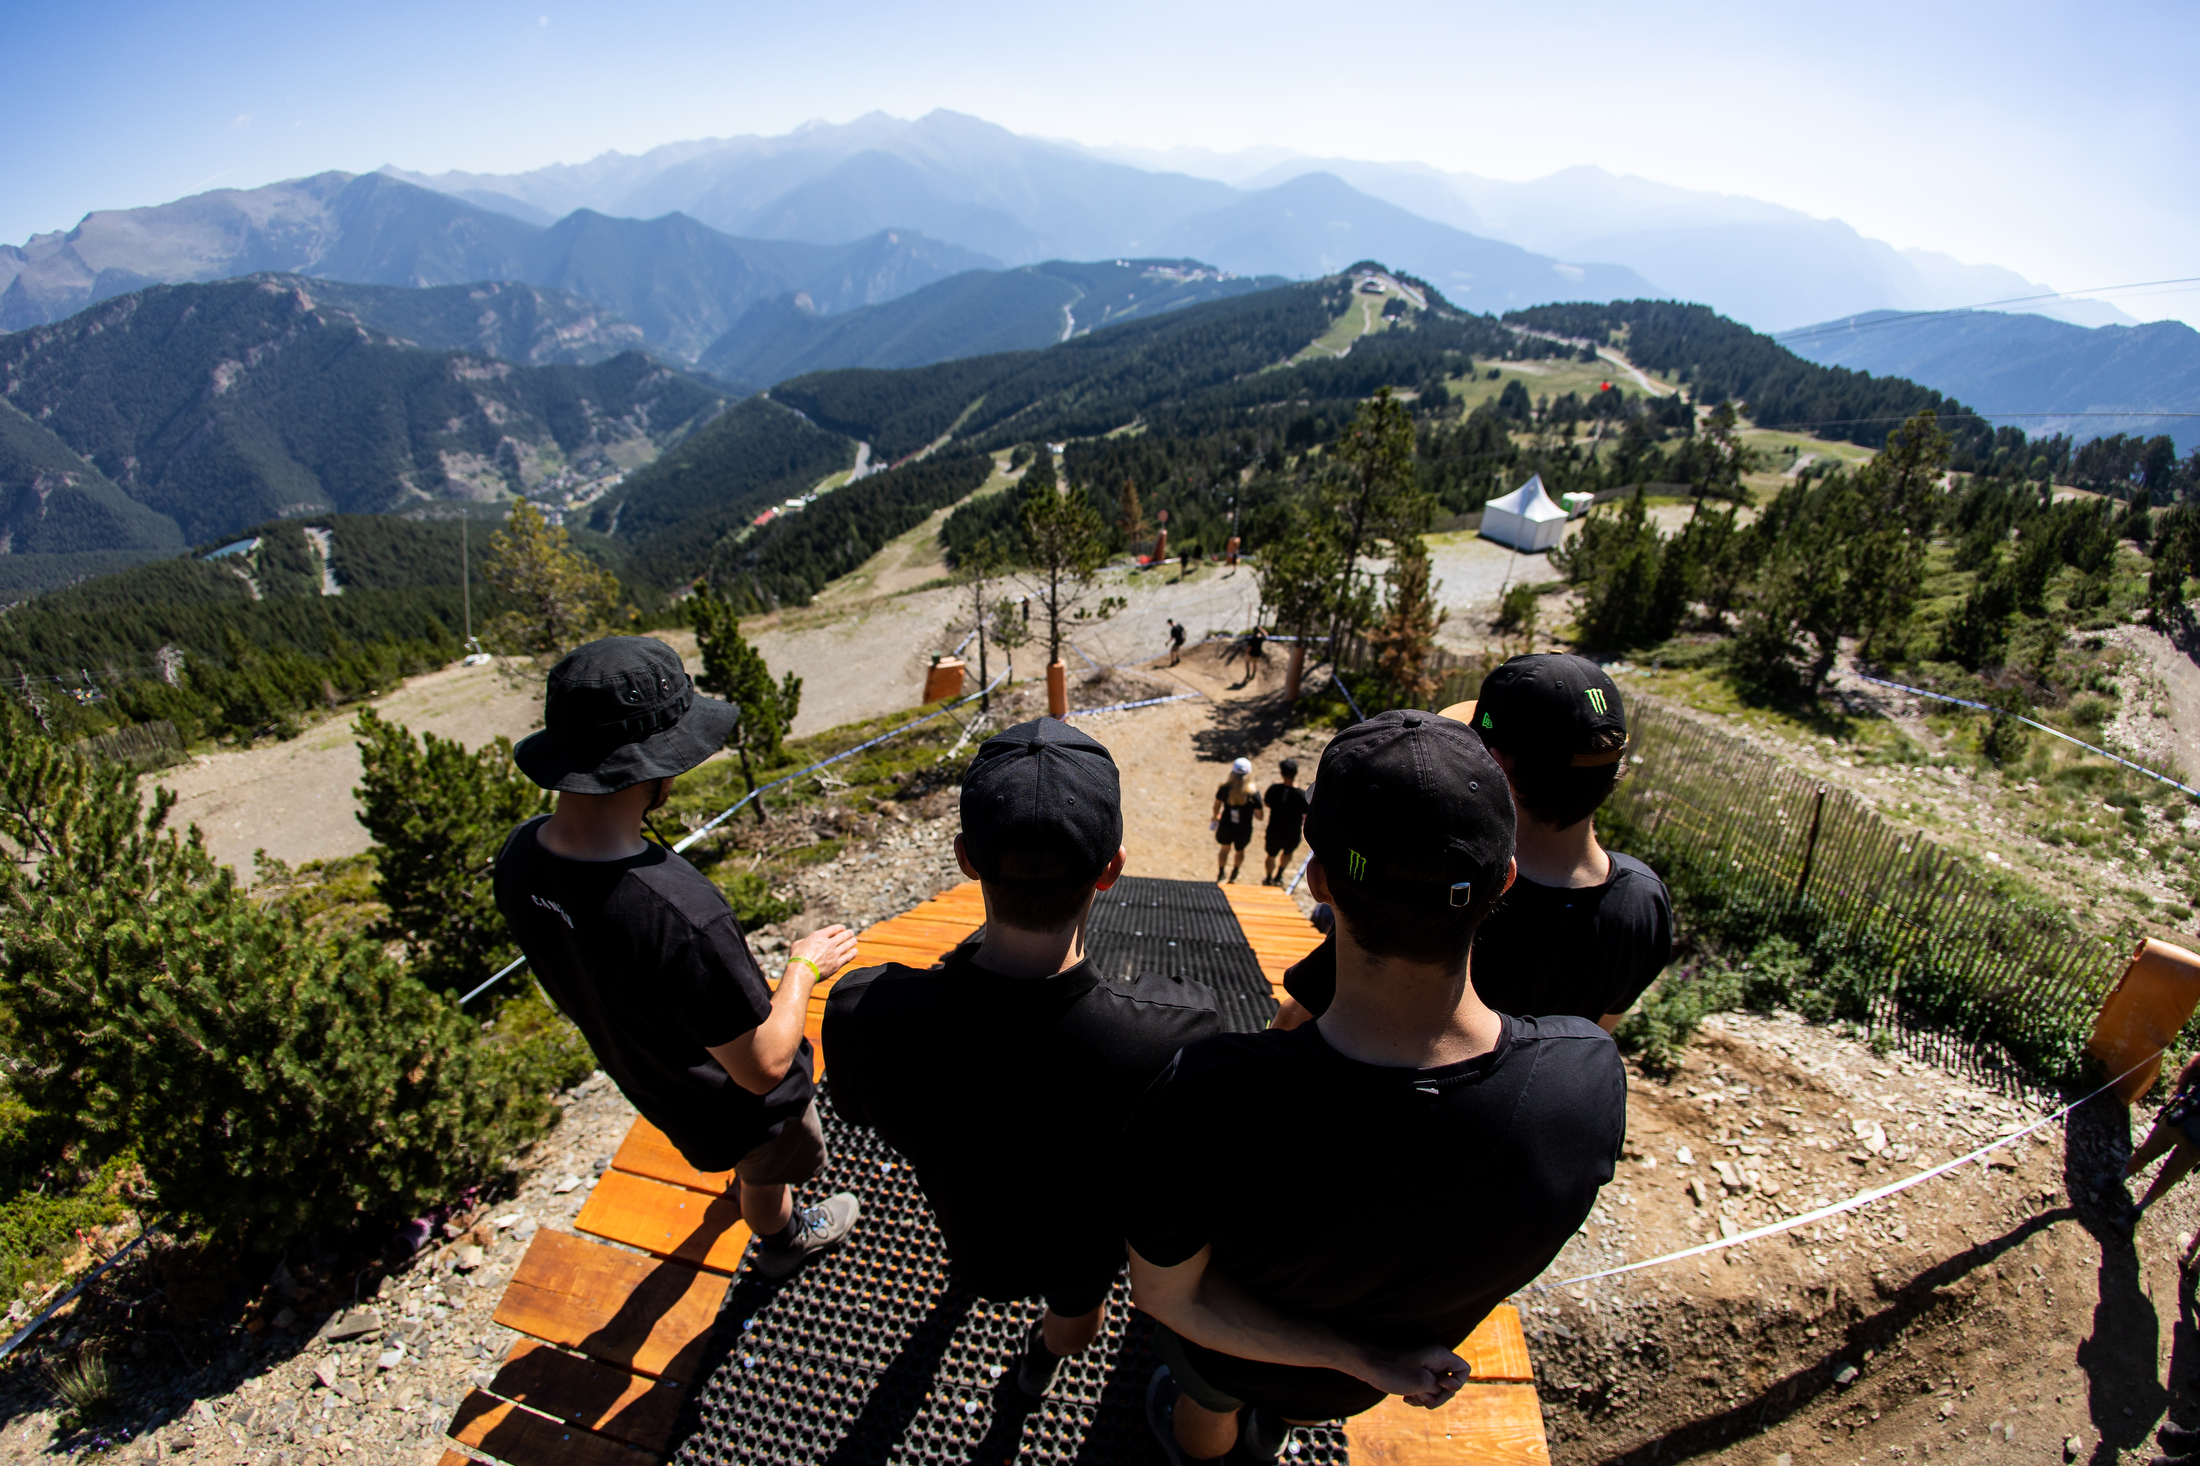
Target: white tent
1526	518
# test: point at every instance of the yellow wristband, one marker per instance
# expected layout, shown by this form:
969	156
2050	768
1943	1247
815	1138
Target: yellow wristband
817	974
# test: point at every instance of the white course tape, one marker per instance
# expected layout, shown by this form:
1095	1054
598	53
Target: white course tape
1861	1199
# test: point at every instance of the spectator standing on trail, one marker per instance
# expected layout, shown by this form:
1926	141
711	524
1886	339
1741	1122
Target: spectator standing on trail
1286	818
1005	1074
1256	643
1462	1146
641	951
1176	640
1235	809
1584	930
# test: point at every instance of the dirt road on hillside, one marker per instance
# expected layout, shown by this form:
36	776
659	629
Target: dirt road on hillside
294	799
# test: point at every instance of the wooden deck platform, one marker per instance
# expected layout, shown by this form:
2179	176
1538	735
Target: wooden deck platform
615	1328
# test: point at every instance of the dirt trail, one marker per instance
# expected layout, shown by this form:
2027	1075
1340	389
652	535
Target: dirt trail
294	799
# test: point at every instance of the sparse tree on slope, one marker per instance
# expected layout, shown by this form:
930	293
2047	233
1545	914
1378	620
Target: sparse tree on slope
565	598
735	670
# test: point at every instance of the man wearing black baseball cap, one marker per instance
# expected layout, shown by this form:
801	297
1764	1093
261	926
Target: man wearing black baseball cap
641	951
1005	1073
1475	1142
1584	930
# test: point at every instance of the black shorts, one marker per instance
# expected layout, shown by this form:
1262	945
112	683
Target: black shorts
1281	842
1238	835
1072	1286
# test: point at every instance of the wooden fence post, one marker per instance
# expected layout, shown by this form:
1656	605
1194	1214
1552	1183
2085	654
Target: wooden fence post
1810	844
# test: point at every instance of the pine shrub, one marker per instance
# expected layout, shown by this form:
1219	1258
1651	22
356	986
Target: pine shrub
271	1081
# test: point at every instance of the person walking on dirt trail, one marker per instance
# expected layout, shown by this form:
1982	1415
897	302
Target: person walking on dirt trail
1005	1074
1475	1141
1584	930
2176	1132
1176	640
1235	809
642	952
1256	644
1286	804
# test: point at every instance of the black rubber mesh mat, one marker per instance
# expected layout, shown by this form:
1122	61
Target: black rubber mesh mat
869	1355
1180	929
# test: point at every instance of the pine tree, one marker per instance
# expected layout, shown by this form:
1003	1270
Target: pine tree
1406	637
439	815
977	570
1130	516
1066	544
1371	498
735	670
565	598
271	1082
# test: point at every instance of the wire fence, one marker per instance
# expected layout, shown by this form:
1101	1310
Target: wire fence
1909	934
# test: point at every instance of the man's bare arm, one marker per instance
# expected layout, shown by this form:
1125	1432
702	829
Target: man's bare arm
760	1058
1207	1308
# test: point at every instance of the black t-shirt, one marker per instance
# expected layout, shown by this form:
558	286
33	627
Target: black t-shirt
1006	1095
1235	816
1286	811
1584	950
1396	1206
646	958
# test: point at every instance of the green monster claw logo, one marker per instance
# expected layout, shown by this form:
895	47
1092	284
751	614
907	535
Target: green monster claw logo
1596	700
1355	865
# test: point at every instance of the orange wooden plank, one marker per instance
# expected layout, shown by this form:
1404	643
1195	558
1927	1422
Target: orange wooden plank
609	1401
502	1429
640	1314
1498	1349
455	1458
1482	1425
670	1221
646	1152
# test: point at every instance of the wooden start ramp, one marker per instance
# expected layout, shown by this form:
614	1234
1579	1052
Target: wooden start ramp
870	1354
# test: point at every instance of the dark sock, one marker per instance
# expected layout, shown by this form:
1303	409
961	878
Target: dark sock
788	1235
1037	1351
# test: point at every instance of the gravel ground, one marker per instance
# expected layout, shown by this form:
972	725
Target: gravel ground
301	1364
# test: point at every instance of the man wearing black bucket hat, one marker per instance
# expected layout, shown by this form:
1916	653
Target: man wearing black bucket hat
1005	1073
1474	1142
1584	930
641	951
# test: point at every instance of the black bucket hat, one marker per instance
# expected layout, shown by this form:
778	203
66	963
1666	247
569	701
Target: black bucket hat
620	712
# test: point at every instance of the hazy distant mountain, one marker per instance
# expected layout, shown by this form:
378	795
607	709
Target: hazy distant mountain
1317	224
682	283
218	406
1025	200
970	314
2028	364
1734	253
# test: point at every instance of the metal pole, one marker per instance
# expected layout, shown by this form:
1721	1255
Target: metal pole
465	580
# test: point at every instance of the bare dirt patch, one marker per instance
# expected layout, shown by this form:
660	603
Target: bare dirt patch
294	799
1987	1314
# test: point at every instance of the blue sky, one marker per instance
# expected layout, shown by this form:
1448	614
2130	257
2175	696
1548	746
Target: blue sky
2056	139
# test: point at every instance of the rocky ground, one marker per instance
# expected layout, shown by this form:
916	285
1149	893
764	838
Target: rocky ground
315	1356
1988	1314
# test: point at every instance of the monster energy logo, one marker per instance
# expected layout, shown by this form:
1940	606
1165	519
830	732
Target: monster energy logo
1596	699
1355	865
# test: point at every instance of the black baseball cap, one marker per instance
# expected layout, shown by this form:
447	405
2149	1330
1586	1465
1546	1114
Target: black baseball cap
1410	807
1549	708
1043	800
620	712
